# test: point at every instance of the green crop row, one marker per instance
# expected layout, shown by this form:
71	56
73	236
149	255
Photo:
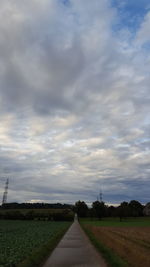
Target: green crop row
20	239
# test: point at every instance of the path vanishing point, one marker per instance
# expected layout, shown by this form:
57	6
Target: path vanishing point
75	250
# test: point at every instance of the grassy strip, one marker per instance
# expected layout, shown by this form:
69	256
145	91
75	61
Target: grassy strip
38	257
127	222
111	257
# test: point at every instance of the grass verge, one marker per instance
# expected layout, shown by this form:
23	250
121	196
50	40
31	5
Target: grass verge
111	258
126	222
39	255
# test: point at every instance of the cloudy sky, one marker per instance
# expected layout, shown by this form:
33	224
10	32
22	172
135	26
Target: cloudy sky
75	100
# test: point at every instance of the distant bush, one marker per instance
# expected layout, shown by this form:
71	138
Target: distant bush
64	215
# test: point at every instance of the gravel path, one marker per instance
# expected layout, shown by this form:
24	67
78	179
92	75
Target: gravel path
75	250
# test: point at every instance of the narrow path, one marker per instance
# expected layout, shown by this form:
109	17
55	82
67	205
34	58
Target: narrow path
75	250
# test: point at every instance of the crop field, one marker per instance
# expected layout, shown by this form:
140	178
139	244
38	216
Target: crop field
24	211
19	239
37	214
129	240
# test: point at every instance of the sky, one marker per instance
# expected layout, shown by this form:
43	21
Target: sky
75	100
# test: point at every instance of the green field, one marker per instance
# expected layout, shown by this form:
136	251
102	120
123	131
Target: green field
23	239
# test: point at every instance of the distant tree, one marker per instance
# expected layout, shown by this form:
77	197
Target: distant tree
99	209
81	208
91	213
123	210
136	208
111	211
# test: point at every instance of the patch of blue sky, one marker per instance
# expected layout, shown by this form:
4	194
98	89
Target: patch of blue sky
65	2
130	13
146	46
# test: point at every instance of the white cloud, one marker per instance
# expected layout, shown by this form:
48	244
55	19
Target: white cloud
143	34
74	101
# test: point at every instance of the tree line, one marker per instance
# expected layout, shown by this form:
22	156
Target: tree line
37	211
31	211
99	209
15	205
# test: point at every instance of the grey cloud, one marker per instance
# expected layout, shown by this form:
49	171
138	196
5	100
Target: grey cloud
74	104
46	62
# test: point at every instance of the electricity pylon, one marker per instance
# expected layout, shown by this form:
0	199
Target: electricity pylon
4	201
101	196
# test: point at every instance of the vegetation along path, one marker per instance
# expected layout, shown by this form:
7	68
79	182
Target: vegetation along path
75	249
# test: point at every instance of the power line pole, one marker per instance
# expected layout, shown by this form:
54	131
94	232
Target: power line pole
4	201
101	196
